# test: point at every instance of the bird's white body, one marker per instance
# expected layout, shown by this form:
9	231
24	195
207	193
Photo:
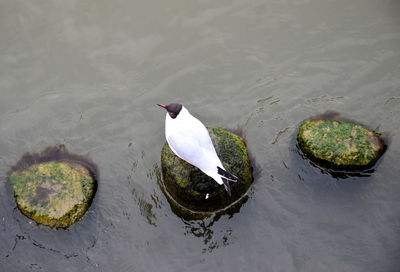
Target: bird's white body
189	140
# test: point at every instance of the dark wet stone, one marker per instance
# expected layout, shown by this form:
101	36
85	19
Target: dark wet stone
188	186
339	145
55	194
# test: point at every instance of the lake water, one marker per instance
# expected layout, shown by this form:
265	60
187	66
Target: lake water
87	74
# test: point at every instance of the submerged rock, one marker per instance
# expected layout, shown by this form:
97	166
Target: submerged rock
53	193
194	190
338	145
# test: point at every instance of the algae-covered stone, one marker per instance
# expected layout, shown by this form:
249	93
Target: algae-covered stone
189	186
338	145
56	194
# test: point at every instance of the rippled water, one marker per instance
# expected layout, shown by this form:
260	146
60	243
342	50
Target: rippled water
87	74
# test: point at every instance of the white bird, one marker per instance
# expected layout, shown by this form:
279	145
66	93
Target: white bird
189	139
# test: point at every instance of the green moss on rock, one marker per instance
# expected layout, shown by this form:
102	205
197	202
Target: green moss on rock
188	185
338	145
55	194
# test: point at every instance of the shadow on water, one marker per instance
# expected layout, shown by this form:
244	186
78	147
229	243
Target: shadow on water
73	242
328	115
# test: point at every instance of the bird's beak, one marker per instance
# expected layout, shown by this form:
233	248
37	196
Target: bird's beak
162	106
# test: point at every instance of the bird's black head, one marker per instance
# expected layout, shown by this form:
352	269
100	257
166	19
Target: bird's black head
173	109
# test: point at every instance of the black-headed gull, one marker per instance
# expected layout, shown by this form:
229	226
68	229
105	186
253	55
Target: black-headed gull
188	138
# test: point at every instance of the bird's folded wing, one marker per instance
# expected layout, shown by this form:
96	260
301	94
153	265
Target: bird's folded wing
195	147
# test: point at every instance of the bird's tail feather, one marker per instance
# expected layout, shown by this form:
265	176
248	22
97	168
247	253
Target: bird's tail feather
227	186
226	175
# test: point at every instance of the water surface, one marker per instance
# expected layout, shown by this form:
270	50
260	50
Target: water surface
87	74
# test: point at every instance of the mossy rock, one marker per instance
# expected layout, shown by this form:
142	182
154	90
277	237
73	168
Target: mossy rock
55	194
338	145
188	185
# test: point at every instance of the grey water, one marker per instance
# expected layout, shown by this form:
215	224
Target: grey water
87	74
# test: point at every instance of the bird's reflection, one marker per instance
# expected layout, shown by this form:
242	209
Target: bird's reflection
206	230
